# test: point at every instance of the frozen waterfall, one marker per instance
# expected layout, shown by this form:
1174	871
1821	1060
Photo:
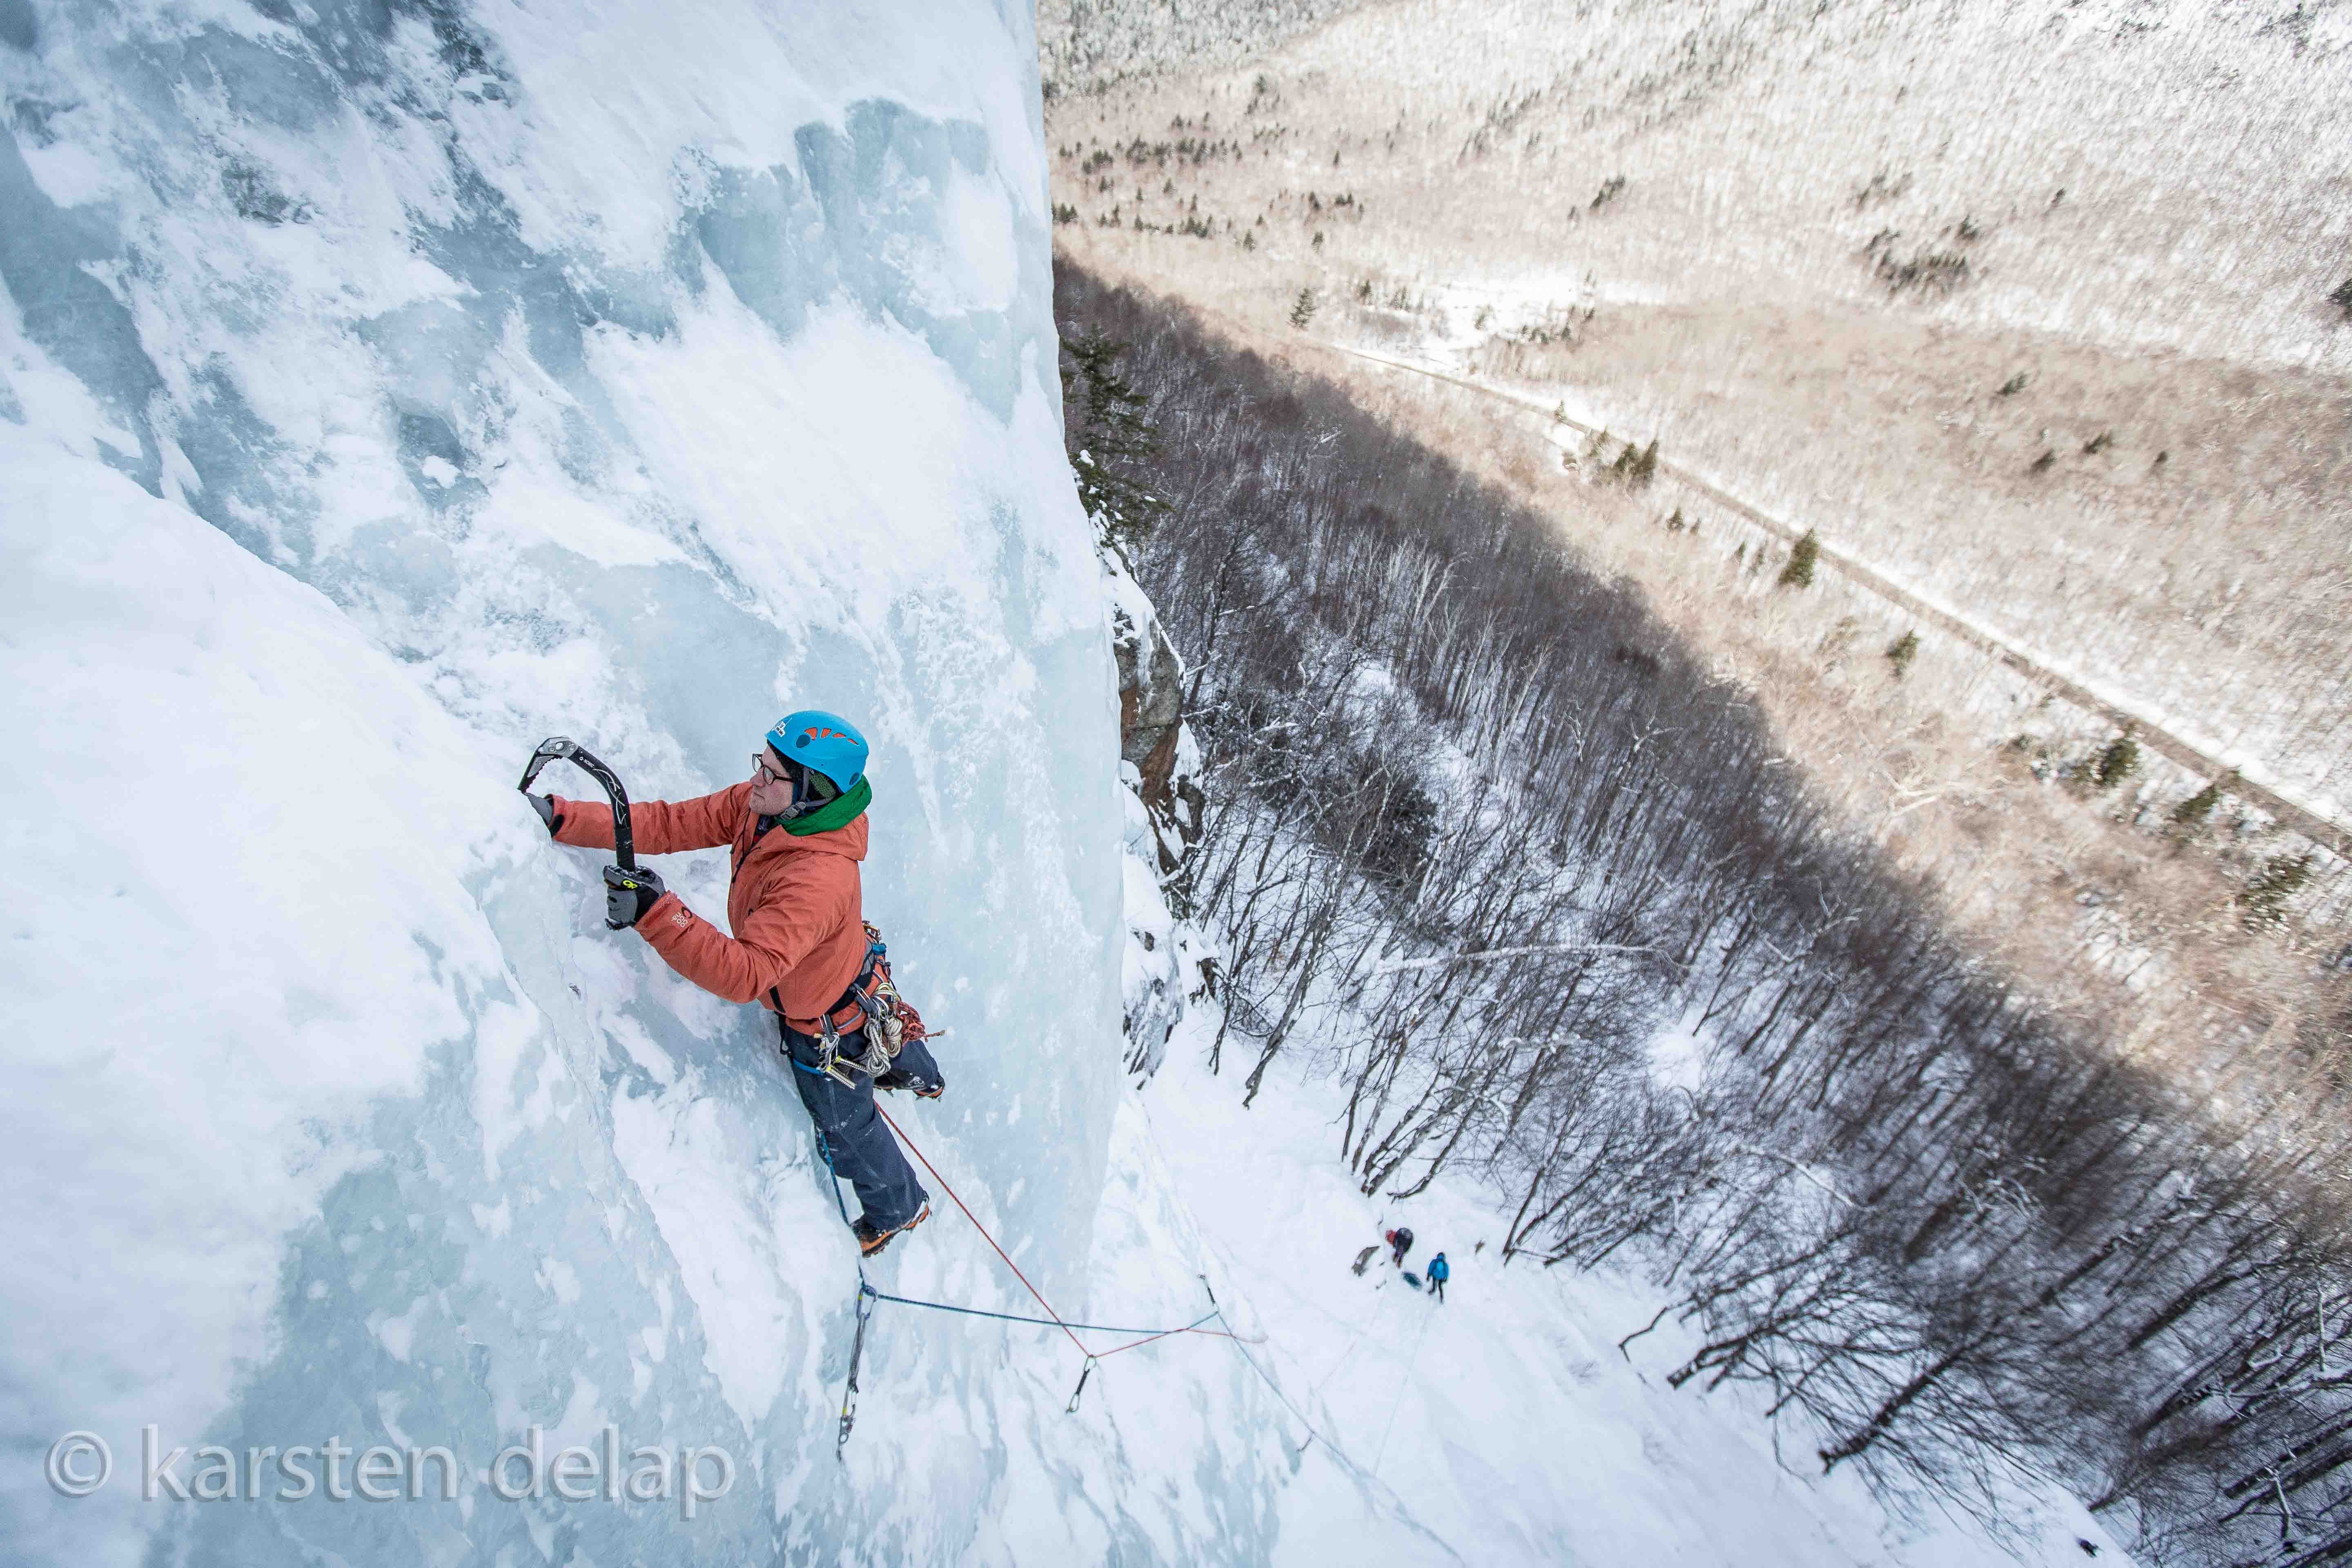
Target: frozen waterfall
384	387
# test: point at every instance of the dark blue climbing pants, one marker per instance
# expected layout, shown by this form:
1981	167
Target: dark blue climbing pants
851	1136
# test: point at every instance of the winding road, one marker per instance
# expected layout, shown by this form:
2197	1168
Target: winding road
2322	830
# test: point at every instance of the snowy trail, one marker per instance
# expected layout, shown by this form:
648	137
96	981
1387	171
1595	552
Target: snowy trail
2154	730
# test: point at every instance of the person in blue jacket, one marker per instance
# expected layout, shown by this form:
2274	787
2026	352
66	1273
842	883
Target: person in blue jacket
1438	1273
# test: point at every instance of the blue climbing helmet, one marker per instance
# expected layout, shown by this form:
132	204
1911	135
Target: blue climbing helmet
822	742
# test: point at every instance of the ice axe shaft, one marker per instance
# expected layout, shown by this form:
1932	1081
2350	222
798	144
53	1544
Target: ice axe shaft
624	853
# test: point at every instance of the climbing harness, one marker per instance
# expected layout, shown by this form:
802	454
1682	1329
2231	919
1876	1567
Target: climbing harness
872	1013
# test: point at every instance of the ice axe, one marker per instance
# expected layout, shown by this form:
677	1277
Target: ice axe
620	874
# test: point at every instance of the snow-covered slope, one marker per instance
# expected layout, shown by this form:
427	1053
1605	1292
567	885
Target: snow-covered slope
1504	1423
386	387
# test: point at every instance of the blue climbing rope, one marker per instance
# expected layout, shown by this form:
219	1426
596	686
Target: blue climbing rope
1010	1318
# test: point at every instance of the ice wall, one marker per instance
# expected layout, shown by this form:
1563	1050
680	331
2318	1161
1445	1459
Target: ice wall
383	387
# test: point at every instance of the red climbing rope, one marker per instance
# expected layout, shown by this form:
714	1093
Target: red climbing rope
1039	1296
865	1291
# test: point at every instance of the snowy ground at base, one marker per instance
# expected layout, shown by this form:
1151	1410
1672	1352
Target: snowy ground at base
1502	1426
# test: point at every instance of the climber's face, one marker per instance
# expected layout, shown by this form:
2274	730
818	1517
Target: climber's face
772	788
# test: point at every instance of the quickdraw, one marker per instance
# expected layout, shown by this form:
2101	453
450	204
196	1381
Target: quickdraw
857	1353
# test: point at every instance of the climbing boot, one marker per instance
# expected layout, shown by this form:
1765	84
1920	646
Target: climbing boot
871	1241
896	1079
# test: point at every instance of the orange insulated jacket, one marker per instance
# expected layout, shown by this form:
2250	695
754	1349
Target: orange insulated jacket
794	904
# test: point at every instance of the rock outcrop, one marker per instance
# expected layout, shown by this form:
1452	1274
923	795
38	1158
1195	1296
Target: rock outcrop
1169	962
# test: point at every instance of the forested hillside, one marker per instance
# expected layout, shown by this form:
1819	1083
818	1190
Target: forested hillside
2031	318
1558	908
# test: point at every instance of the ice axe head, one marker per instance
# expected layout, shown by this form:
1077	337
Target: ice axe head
579	756
550	750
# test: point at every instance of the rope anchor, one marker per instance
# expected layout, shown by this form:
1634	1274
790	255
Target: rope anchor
868	1295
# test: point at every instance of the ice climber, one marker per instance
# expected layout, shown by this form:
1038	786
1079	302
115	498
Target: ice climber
1399	1242
801	947
1440	1272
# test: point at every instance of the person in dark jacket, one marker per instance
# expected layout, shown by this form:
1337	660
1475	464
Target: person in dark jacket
1399	1242
1439	1271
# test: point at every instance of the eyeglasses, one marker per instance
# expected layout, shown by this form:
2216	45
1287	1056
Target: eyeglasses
803	781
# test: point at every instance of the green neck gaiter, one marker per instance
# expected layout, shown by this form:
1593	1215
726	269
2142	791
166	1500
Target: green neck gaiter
838	812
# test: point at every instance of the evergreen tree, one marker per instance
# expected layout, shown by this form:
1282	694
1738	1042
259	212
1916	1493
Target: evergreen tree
1112	444
1645	467
2192	811
1799	572
1302	310
2117	762
2266	897
2343	297
1902	651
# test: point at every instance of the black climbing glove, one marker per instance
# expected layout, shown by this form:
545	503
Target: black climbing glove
545	805
628	895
